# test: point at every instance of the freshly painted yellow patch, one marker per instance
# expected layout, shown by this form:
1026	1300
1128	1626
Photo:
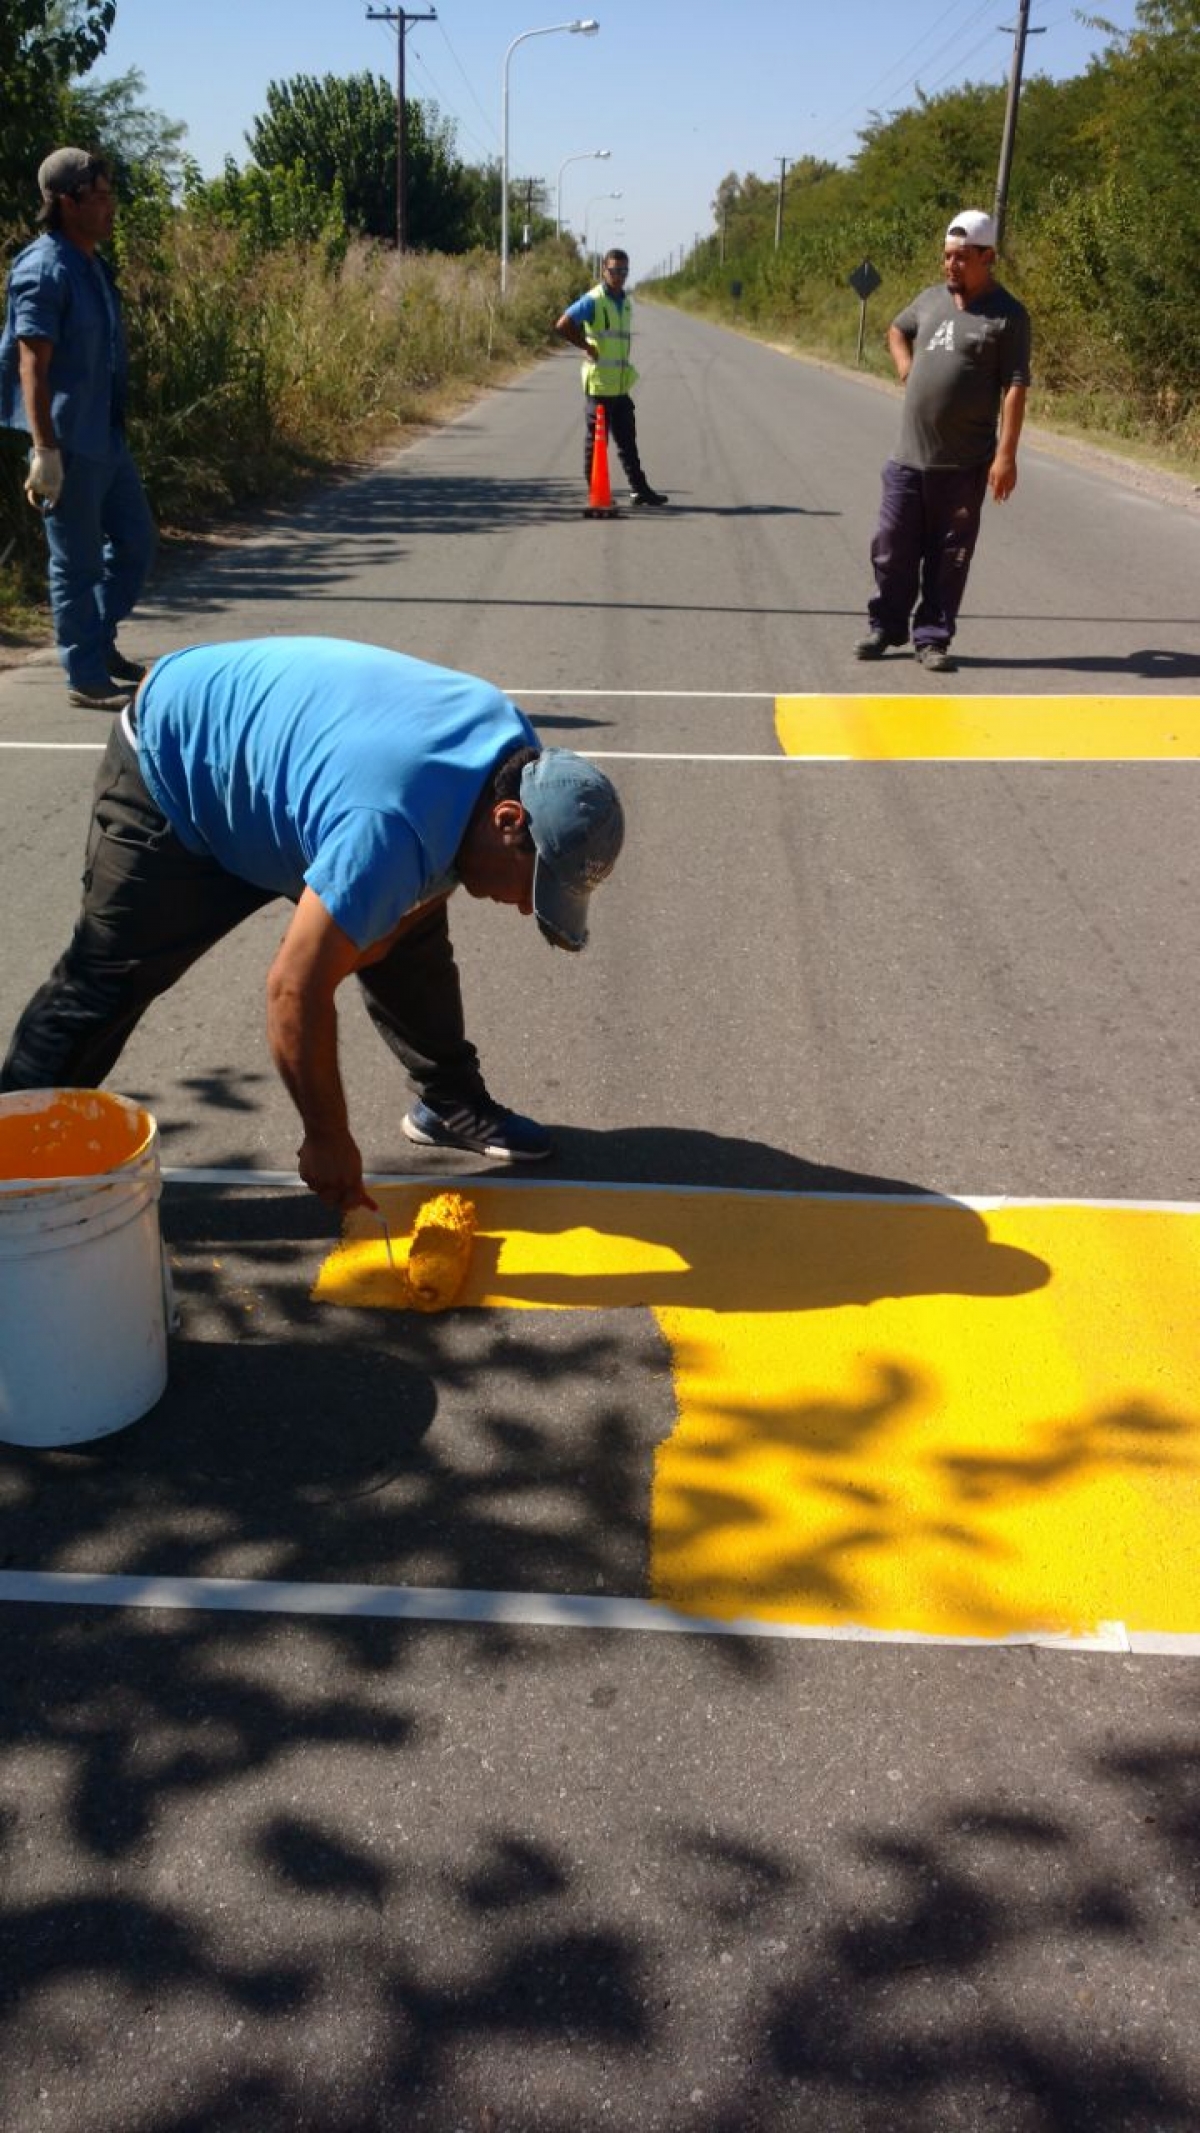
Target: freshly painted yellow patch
1056	729
895	1414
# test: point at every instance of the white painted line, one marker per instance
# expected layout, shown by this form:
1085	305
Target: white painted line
687	696
281	1178
502	1178
639	755
525	1610
58	747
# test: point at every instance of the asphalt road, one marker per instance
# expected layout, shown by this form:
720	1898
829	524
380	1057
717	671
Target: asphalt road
332	1874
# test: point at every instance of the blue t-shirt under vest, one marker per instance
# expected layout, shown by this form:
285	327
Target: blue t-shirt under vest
297	761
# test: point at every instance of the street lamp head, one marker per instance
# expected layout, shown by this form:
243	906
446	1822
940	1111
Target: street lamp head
601	155
585	28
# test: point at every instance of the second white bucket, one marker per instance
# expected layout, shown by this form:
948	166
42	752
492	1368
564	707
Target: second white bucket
83	1322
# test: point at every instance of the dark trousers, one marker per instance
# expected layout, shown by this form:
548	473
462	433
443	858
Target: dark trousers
928	527
151	908
621	423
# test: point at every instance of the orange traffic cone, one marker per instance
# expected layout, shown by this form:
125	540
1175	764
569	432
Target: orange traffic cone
600	501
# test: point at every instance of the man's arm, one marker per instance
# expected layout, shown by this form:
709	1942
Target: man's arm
33	360
314	957
1002	474
43	483
572	331
900	349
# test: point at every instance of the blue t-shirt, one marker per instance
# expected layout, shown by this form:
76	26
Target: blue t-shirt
297	761
583	311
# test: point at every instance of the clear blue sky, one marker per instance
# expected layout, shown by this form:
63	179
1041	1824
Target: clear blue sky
681	93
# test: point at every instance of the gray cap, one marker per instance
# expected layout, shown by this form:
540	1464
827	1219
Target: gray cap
66	171
578	828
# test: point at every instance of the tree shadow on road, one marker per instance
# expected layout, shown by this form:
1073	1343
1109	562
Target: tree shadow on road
270	1857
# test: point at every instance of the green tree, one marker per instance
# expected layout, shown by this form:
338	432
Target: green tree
44	46
341	129
136	140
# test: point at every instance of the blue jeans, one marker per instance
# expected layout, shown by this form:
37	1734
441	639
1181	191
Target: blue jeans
101	540
921	553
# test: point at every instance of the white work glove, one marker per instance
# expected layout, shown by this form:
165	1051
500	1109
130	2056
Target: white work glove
43	483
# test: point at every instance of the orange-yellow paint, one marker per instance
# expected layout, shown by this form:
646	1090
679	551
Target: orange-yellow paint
439	1251
425	1270
905	1416
905	729
73	1133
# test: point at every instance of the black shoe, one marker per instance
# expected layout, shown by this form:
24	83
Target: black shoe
872	646
485	1129
936	658
129	671
648	496
105	699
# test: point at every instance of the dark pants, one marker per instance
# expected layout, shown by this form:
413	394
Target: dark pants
928	527
151	908
621	423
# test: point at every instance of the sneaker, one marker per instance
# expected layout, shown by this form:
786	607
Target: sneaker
103	699
936	658
872	646
128	671
648	496
486	1130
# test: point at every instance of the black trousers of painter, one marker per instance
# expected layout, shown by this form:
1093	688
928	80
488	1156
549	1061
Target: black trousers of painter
621	422
151	909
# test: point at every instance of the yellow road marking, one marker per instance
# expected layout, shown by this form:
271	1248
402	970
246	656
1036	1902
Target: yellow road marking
899	1415
903	729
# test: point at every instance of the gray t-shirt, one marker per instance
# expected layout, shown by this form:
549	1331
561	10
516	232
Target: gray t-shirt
963	363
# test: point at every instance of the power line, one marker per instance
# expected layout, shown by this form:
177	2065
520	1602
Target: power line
863	102
487	120
445	107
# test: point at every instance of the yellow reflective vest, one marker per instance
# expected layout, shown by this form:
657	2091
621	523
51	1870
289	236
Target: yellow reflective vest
609	371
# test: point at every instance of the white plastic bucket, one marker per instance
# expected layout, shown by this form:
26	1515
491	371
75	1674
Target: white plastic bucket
83	1322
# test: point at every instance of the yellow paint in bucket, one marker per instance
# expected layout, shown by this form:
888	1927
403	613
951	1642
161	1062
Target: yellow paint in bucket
76	1133
83	1320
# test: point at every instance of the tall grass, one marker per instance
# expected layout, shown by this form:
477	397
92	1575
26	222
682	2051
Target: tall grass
253	370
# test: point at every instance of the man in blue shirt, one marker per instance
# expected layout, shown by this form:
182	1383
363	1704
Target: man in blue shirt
600	325
63	378
364	787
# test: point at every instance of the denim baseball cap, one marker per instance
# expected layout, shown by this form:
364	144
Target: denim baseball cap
578	828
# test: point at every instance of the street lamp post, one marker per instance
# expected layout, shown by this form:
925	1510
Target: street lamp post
586	155
594	202
584	27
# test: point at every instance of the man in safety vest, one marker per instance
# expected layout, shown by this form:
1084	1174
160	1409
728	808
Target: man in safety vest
600	324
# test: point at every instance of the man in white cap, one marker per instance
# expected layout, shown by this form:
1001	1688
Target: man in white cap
962	351
363	787
63	378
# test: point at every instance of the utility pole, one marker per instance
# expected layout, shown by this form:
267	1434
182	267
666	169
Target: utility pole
782	162
401	17
1020	32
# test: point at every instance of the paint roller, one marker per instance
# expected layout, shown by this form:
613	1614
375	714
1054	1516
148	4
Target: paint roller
439	1253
